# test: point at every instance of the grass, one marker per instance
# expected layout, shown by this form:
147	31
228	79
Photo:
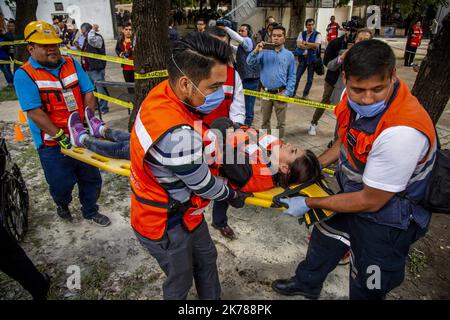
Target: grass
417	261
7	94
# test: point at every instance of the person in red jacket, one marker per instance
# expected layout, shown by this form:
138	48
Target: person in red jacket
332	29
414	40
124	49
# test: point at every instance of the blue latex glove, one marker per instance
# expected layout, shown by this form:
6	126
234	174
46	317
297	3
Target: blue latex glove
296	206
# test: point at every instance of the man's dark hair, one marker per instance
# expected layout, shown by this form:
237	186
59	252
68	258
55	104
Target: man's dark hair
217	31
249	28
195	55
128	24
86	26
369	58
309	20
279	27
200	19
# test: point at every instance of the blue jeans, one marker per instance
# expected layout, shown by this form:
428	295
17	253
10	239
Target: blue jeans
62	173
99	75
302	67
250	84
6	69
116	145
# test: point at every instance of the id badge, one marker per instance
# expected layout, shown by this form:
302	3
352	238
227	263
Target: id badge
69	98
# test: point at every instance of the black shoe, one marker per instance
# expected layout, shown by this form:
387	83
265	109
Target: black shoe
100	219
64	212
226	231
289	287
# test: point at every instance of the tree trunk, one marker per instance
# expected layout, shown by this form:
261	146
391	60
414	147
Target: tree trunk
150	19
298	13
26	12
432	85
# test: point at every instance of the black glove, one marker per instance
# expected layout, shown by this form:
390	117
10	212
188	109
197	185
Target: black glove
62	139
238	200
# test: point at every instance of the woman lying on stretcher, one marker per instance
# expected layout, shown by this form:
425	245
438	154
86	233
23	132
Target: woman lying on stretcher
263	163
254	162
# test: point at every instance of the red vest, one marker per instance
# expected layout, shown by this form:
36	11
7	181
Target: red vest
51	90
416	37
223	110
332	31
160	112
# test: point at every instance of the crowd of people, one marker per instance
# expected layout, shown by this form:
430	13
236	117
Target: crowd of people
378	122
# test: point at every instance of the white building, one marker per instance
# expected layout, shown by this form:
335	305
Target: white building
92	11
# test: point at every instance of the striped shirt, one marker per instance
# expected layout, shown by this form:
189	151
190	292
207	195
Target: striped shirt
177	162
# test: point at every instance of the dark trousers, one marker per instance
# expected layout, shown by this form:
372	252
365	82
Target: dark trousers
128	75
185	256
219	213
327	92
250	84
410	53
62	173
116	145
6	69
373	247
15	263
303	65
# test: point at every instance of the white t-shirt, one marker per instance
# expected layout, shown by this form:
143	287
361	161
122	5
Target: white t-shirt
394	157
237	107
318	39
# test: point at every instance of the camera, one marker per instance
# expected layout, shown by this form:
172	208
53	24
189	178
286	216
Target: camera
353	25
126	54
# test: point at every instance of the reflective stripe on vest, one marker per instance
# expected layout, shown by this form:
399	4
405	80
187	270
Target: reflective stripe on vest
51	89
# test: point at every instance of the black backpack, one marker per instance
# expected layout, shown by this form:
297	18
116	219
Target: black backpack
437	197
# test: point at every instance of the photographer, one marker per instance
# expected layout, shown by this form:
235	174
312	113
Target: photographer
124	49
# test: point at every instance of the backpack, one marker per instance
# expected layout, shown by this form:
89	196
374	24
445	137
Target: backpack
437	197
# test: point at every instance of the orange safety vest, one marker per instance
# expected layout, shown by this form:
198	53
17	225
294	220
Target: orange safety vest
333	31
404	110
416	38
51	91
250	145
151	206
223	110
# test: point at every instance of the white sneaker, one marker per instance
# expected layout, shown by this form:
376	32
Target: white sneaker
312	130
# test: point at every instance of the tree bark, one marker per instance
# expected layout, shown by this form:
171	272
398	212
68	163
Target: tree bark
26	12
150	19
298	13
432	85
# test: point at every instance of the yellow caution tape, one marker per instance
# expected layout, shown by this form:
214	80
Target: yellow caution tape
98	56
122	103
153	74
12	43
20	63
329	171
288	99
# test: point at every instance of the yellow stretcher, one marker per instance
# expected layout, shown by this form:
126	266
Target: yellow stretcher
118	166
260	199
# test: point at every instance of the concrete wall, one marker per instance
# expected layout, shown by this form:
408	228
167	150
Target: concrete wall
92	11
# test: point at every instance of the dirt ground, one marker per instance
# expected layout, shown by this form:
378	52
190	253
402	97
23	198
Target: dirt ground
269	245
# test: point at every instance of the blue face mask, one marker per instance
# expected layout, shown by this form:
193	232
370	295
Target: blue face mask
369	110
212	100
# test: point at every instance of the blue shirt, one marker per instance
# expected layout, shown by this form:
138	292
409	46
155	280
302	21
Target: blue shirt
28	94
277	69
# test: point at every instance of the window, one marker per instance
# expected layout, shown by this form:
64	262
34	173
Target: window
59	6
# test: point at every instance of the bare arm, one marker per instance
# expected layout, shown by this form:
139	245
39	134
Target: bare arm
367	200
43	121
310	45
89	100
331	155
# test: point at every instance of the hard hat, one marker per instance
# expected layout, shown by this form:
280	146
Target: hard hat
41	32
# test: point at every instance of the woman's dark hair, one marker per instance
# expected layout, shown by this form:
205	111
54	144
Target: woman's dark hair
301	170
195	55
249	29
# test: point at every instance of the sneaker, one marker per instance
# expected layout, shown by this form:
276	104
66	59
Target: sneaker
94	123
64	212
100	219
76	129
312	130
